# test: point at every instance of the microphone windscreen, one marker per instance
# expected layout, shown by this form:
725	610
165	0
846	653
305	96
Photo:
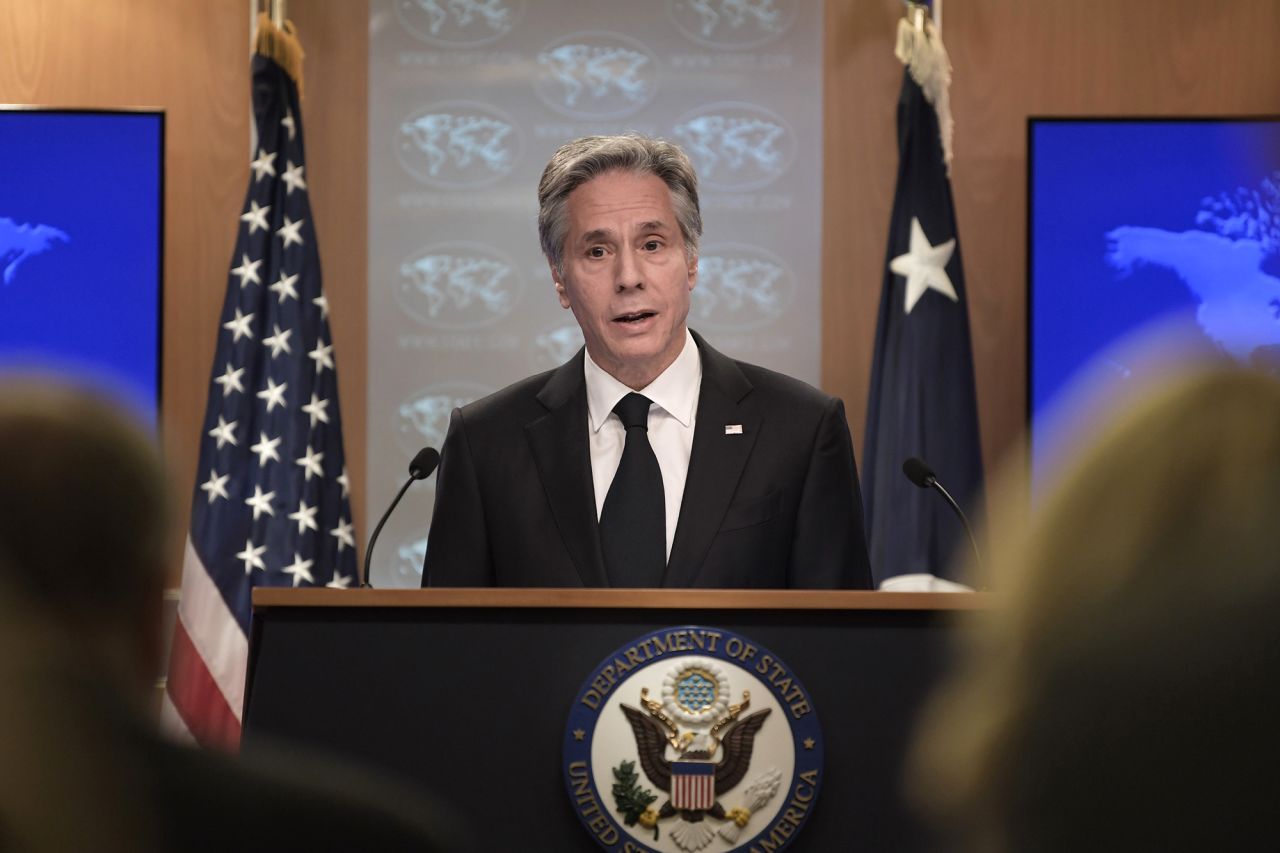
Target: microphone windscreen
919	472
424	463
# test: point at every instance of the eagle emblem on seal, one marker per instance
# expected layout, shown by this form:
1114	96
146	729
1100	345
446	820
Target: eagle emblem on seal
711	741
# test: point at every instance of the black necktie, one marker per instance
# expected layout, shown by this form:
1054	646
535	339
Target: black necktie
633	522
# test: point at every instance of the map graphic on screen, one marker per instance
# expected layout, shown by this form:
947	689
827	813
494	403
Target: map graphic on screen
1142	223
20	242
80	248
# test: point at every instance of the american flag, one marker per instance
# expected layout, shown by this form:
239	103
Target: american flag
271	504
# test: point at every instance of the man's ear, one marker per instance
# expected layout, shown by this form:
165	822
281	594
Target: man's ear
561	293
693	271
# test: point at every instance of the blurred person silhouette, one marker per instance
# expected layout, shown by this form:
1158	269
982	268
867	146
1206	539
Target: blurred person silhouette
1124	691
84	534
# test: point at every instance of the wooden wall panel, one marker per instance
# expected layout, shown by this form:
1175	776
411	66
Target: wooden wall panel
334	35
861	81
1011	59
190	58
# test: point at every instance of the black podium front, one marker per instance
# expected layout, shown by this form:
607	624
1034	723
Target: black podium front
467	692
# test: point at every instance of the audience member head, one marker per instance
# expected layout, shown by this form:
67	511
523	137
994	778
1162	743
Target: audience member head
83	524
1122	691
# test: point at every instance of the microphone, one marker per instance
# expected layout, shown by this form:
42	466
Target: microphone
919	473
422	466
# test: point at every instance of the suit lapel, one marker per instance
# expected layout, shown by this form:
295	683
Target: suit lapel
715	463
558	441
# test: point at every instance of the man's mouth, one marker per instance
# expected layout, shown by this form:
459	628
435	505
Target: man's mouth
634	317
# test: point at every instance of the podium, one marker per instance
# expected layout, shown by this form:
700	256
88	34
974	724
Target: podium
467	692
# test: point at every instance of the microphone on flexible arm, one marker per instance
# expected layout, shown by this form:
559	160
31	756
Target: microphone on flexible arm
919	473
422	466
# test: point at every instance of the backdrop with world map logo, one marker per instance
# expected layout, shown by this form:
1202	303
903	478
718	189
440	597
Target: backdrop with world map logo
467	101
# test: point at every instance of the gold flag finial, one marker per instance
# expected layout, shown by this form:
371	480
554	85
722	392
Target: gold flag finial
281	45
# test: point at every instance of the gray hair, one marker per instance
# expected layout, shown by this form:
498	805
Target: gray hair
577	162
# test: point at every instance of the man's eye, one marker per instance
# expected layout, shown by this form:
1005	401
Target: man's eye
652	246
595	252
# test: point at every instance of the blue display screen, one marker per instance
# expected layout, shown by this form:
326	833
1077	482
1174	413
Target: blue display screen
1137	224
80	248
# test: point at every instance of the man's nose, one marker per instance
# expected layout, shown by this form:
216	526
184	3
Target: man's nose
627	273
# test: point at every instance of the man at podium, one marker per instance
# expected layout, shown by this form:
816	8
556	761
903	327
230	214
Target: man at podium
648	459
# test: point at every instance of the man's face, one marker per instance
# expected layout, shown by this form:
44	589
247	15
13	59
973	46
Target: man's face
626	277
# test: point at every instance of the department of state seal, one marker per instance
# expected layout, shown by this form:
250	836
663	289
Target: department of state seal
693	739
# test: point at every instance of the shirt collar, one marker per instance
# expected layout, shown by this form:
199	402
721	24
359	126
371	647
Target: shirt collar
675	390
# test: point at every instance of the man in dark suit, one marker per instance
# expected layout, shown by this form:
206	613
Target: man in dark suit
649	459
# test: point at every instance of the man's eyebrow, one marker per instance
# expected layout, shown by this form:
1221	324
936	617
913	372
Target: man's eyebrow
598	234
595	235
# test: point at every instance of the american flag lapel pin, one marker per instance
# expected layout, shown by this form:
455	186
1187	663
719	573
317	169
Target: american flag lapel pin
733	429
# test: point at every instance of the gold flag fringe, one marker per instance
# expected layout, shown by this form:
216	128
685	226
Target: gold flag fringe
920	48
282	46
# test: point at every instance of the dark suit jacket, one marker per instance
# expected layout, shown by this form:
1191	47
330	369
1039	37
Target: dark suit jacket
775	506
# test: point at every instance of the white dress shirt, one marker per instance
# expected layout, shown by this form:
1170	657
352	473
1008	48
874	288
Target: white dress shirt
675	404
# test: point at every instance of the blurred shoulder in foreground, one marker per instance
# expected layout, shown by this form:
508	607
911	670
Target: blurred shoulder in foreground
85	518
1123	693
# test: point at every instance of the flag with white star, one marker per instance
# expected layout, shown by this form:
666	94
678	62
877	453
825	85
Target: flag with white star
271	505
922	400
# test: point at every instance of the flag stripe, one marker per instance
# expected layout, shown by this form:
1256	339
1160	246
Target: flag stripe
212	631
197	697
